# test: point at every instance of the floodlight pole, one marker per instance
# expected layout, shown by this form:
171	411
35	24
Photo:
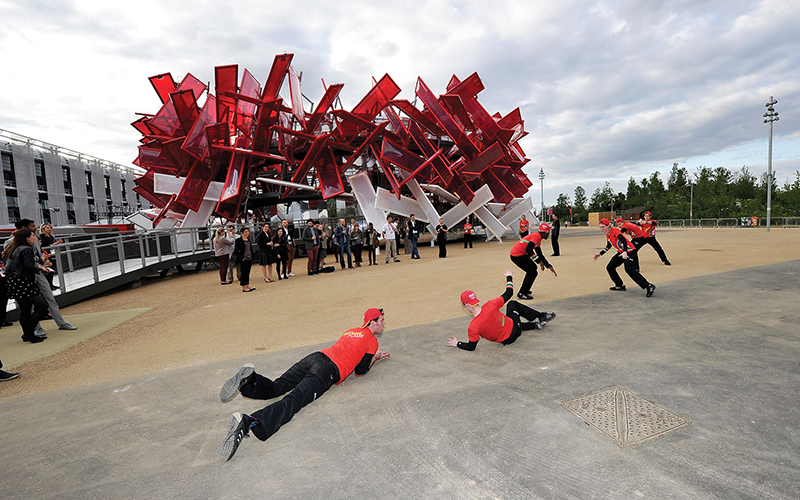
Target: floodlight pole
541	189
770	116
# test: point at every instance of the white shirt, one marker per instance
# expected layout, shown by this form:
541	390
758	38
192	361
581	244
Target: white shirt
388	231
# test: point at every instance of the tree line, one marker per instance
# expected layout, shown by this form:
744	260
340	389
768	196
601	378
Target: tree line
708	193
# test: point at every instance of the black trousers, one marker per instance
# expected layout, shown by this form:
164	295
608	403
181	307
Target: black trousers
631	267
442	242
653	243
244	272
515	311
467	239
531	269
31	312
307	380
556	249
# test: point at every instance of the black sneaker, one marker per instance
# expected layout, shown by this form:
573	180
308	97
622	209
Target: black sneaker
524	296
547	317
618	288
667	263
33	339
237	430
650	289
235	383
4	375
538	325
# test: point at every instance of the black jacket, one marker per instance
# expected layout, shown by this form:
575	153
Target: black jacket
22	263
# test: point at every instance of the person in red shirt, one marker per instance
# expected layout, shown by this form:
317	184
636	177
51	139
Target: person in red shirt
526	254
649	228
467	233
491	324
357	350
626	254
523	227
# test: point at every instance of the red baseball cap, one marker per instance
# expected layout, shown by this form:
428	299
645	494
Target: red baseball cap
604	222
468	297
372	314
648	213
619	220
544	227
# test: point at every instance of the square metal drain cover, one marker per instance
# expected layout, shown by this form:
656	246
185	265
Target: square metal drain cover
624	417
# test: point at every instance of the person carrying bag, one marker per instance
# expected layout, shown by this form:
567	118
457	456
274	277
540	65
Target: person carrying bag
21	270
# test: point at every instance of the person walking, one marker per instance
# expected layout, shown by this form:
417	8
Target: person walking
626	255
243	249
223	247
307	380
555	232
491	324
441	238
527	255
21	270
649	227
6	376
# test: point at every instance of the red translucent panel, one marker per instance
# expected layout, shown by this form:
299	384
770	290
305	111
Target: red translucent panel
236	171
418	116
403	158
296	96
331	93
466	89
196	183
511	119
458	186
367	142
397	124
196	143
423	166
245	111
276	76
225	78
456	108
378	98
143	125
485	159
499	190
267	118
149	159
507	177
450	127
166	120
164	210
145	187
482	118
172	152
316	148
328	173
164	86
218	136
185	107
387	170
443	170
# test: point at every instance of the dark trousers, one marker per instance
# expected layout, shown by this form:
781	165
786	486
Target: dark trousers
442	242
281	261
467	239
31	312
357	249
307	380
556	249
312	252
653	243
531	269
515	311
223	267
631	267
290	256
244	272
3	300
342	250
373	259
414	251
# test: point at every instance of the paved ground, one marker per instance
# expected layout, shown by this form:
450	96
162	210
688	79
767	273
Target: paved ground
720	350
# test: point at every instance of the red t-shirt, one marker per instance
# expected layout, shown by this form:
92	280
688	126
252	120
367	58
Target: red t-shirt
520	246
523	226
633	229
467	228
616	238
491	324
350	349
649	228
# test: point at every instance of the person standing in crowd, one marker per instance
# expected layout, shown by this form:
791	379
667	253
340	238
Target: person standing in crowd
649	227
527	255
232	264
555	232
312	247
371	240
407	232
357	239
356	351
3	296
441	238
21	270
243	249
6	376
341	236
491	324
389	232
47	240
626	254
222	251
45	288
414	230
325	243
291	247
467	233
266	257
280	246
523	227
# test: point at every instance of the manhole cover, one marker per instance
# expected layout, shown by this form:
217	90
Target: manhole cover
624	417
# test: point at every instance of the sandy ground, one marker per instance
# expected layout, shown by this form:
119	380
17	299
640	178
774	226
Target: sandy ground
189	319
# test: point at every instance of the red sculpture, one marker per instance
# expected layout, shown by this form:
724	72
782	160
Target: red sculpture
246	131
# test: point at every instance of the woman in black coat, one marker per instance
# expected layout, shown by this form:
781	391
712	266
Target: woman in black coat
21	270
243	249
267	249
280	243
441	238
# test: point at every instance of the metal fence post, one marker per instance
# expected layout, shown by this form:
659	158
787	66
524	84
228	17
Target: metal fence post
95	259
121	254
60	270
142	251
158	247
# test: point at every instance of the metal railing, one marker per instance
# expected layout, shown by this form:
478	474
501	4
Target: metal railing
86	259
745	222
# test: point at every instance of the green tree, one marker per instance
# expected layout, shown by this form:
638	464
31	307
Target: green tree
579	208
562	206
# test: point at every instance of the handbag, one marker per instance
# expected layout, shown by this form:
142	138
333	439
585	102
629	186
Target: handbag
19	286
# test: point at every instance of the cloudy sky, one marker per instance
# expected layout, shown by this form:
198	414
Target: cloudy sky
608	89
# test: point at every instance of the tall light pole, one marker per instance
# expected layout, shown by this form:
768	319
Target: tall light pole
691	202
770	116
541	189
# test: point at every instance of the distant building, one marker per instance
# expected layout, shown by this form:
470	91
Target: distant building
52	184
